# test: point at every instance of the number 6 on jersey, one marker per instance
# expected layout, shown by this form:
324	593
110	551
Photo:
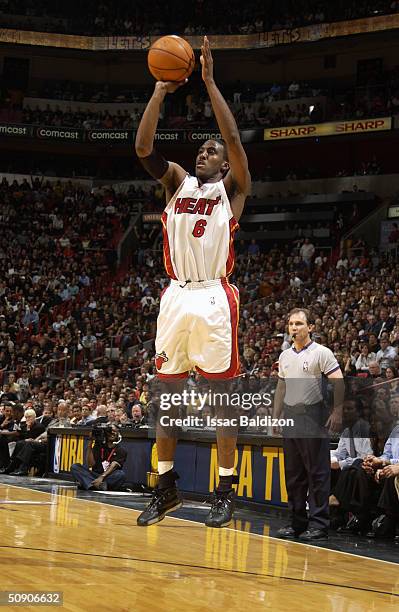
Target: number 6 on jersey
199	228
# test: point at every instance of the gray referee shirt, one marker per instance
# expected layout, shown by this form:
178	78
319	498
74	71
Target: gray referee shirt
302	373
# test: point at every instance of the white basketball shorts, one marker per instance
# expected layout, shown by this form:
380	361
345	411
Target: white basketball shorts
197	328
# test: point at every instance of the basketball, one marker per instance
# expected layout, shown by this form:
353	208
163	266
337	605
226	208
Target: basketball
171	58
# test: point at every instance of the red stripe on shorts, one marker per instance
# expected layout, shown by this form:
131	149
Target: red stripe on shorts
167	260
172	376
233	300
231	258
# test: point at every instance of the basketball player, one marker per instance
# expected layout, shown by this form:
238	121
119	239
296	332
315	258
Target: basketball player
307	445
198	320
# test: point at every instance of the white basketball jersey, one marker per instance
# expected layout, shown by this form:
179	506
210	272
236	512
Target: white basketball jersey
198	232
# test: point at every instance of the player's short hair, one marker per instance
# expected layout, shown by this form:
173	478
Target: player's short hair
306	312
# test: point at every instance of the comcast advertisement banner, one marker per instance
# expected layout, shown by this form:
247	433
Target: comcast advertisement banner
58	133
103	137
116	137
10	129
335	128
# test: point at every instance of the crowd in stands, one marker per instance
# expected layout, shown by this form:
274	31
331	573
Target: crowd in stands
341	298
377	80
253	105
86	168
44	165
368	167
199	17
77	91
57	247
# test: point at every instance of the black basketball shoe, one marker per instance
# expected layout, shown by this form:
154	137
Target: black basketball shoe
222	508
162	502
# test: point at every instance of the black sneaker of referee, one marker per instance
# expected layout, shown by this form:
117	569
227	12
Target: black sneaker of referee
222	508
164	500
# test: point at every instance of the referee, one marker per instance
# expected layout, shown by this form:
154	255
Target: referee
306	446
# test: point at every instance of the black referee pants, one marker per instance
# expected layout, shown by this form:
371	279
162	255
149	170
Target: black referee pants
307	476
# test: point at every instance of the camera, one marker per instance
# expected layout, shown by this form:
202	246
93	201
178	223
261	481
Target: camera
99	432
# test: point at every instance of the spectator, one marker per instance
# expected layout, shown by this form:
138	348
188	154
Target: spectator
29	431
385	323
86	416
101	415
7	395
8	436
347	461
374	369
364	359
253	248
386	469
391	374
307	252
24	386
6	419
386	354
138	419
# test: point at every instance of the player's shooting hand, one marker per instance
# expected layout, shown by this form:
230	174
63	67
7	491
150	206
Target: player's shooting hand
169	87
206	61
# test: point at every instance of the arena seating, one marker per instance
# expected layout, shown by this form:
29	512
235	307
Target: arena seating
266	105
199	17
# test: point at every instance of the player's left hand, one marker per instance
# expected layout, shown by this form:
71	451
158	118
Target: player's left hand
206	60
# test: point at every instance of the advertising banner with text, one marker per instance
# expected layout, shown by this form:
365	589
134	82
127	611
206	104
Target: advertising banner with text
287	36
17	130
104	137
122	137
335	128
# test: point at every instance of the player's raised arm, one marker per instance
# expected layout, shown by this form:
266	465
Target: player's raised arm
167	173
227	125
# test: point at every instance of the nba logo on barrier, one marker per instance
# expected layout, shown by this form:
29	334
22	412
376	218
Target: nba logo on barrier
57	455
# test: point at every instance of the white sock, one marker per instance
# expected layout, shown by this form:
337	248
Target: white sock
164	466
226	471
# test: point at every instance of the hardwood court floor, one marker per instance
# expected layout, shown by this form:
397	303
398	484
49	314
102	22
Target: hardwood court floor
101	560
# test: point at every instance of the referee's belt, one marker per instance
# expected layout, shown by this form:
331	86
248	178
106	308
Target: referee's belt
304	408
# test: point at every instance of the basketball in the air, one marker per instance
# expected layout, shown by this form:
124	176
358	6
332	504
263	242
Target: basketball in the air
171	58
